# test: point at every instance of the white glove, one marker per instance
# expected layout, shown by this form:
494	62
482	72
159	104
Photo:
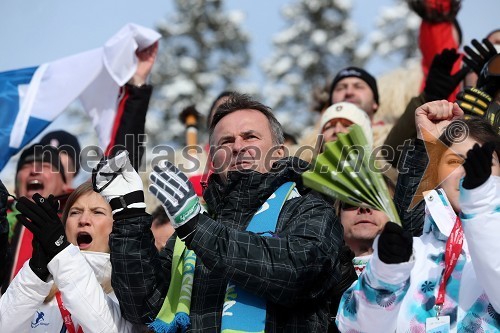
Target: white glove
175	192
116	178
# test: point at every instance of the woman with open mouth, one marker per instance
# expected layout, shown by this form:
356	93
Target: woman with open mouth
73	292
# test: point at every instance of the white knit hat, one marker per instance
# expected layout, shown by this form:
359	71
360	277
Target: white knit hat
352	113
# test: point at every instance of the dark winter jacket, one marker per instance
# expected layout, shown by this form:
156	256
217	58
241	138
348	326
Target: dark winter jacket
129	128
294	271
411	171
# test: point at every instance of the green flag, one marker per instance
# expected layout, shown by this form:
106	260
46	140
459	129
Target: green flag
346	171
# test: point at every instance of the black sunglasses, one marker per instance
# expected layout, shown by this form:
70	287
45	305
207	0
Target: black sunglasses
346	206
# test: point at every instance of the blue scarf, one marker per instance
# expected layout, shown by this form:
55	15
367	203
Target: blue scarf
243	311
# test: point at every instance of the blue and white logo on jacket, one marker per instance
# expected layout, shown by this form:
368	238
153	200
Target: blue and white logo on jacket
39	320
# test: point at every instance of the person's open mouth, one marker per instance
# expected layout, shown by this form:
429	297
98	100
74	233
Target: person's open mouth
34	185
84	240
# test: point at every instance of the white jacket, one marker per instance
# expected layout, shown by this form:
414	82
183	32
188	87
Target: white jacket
78	276
399	297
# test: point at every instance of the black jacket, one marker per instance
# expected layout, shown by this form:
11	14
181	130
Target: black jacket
410	176
294	271
130	123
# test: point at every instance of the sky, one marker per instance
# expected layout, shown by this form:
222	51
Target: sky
34	32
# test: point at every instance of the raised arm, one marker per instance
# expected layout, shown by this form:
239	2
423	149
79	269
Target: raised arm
479	202
129	126
140	275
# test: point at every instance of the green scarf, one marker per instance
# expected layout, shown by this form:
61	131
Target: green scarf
174	314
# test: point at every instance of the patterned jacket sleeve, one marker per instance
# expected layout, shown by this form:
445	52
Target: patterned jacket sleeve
481	222
301	263
410	175
372	303
140	275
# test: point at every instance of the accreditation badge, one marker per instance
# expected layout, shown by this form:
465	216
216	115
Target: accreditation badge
439	324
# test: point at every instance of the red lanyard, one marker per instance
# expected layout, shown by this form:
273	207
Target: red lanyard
68	322
453	249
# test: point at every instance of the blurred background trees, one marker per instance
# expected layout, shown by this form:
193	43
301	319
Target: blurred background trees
205	50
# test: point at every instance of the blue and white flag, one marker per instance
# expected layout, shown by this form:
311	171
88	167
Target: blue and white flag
31	98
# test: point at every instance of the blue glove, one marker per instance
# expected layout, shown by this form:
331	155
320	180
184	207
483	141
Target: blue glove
175	192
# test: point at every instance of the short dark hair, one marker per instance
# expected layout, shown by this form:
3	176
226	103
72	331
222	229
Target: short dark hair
290	137
457	131
212	109
160	215
477	128
237	102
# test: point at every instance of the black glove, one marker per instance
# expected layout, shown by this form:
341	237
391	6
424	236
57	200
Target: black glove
395	245
4	231
4	224
436	11
4	240
478	165
477	59
4	195
440	83
45	224
473	101
38	262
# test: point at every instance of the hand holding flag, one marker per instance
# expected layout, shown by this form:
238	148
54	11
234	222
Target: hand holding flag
31	98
